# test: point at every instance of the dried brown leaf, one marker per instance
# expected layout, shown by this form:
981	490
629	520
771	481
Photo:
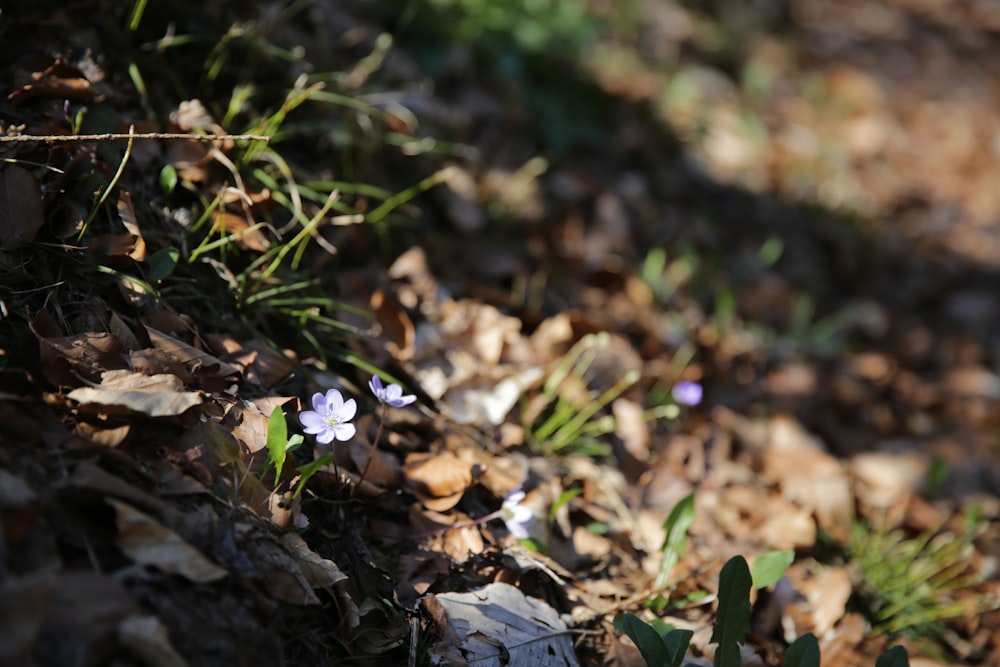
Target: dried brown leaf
319	572
60	80
197	361
109	437
126	211
148	542
248	234
438	481
397	327
150	403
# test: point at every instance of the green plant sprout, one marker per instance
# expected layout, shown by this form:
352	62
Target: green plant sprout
667	647
675	527
908	583
567	424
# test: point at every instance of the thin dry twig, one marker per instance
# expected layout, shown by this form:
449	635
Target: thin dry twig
56	138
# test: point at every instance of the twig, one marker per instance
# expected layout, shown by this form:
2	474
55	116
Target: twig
111	136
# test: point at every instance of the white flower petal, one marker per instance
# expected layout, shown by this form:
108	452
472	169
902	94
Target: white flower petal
343	431
334	401
347	410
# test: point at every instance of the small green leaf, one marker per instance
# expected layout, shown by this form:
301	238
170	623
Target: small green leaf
277	438
676	527
294	443
769	567
732	622
676	643
563	498
168	178
162	263
894	657
804	652
646	639
308	470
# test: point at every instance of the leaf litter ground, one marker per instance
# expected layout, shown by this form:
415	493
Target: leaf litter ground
841	377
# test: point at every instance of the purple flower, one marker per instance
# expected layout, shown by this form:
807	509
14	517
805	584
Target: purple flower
328	420
391	395
517	516
687	393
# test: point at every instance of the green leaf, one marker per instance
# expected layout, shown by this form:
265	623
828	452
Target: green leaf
732	622
804	652
277	438
769	567
563	498
676	527
894	657
168	178
308	470
294	443
676	642
646	639
162	263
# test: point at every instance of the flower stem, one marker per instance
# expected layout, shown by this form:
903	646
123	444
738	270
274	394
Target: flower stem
371	451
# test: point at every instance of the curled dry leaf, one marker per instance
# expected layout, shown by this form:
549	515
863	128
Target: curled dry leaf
126	211
438	480
148	542
397	327
198	361
319	572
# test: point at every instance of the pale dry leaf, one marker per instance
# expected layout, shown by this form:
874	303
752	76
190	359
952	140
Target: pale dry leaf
787	526
148	542
396	326
319	572
486	401
130	381
447	533
251	429
438	481
807	475
149	403
146	637
631	427
822	598
884	480
126	211
109	437
498	625
195	360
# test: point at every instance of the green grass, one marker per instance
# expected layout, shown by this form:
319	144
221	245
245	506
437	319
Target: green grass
909	585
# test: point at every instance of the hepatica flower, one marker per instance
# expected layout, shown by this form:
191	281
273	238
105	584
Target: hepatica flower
330	417
391	395
687	393
518	517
